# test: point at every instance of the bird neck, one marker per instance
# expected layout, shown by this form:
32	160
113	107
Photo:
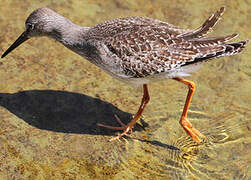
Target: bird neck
71	35
67	32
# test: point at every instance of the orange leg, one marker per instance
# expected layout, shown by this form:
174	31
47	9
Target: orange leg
191	131
131	124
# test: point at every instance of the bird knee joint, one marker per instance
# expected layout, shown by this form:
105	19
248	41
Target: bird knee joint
185	123
191	86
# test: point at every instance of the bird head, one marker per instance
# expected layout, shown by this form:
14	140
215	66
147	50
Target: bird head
40	22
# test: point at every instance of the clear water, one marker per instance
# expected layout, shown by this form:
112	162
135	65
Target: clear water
51	100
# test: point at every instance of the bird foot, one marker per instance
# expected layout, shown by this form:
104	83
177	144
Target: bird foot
125	128
196	135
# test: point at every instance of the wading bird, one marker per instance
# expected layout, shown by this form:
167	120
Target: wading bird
137	50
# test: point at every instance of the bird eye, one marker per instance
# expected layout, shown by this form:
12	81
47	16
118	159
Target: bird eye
29	26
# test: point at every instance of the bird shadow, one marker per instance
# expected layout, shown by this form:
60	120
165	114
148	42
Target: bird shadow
67	112
63	111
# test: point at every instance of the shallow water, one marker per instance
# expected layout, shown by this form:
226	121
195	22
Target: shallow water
51	100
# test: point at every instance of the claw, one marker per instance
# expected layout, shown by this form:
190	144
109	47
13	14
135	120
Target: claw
126	128
193	133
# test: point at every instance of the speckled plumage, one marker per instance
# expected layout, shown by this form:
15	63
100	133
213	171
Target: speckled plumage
151	49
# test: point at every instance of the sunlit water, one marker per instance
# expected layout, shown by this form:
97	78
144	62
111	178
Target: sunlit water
51	100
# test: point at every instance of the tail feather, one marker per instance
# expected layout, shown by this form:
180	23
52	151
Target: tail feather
212	41
206	26
227	49
234	48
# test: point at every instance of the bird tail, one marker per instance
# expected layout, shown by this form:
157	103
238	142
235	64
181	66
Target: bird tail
206	26
227	49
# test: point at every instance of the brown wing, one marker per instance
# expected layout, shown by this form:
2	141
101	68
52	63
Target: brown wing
144	46
149	50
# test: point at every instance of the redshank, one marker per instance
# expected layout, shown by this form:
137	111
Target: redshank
137	50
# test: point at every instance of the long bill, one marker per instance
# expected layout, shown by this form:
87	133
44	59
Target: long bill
22	38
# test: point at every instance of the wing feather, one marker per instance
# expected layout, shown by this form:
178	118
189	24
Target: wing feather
206	26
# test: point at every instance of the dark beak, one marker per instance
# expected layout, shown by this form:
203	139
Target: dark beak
22	38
